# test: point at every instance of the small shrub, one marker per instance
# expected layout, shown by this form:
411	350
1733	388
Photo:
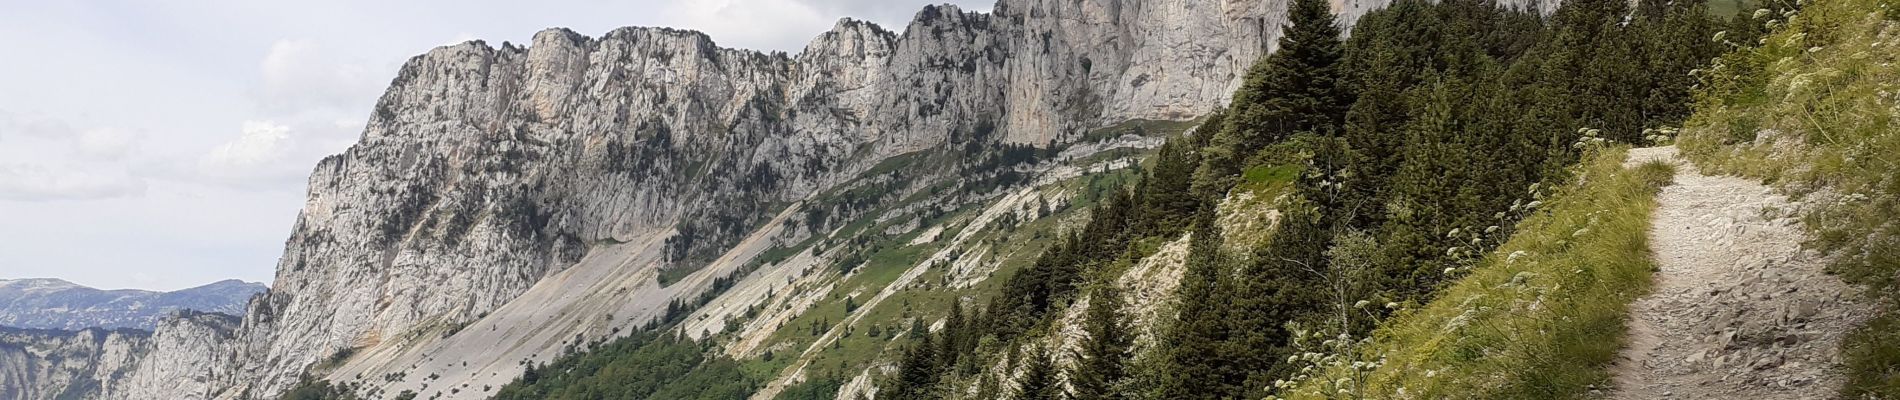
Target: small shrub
1873	360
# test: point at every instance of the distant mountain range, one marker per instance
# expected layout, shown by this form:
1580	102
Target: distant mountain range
58	304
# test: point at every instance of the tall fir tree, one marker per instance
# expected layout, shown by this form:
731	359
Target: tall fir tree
1101	363
1200	326
1038	380
917	372
1299	88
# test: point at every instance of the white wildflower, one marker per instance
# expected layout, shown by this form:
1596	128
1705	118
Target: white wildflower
1761	13
1795	39
1361	304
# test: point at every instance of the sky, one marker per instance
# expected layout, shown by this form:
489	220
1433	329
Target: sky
162	145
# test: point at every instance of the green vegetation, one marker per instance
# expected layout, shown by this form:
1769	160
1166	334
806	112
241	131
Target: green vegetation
814	389
1100	366
1038	381
1431	119
1809	107
311	389
647	364
1140	127
1538	318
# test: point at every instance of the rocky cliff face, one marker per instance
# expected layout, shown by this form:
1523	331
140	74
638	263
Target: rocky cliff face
58	304
102	363
49	364
507	201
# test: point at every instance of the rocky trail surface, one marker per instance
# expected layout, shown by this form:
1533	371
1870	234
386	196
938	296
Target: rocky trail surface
1739	310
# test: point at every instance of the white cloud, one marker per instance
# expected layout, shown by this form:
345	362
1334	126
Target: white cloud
782	24
46	159
32	126
260	154
104	144
299	75
29	182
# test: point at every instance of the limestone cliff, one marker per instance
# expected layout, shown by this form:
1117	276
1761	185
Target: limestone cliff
507	201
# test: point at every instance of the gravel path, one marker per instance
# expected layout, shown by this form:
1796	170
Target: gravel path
1739	310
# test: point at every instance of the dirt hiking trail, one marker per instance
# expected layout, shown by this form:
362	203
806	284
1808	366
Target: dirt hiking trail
1739	310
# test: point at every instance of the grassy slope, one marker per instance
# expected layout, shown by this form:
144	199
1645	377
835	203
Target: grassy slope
1539	318
1812	111
1016	247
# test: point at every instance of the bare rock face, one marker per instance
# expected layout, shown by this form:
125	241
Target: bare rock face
98	363
46	364
569	172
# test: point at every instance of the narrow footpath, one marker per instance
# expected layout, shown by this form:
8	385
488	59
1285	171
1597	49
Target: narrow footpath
1739	310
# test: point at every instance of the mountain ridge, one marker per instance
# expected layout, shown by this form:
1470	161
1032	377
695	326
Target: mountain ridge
51	303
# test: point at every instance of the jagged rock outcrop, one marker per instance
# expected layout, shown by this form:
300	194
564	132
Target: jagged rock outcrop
58	304
111	363
506	201
49	364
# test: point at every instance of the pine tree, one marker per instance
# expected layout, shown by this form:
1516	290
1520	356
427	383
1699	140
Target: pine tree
1038	380
918	371
951	341
1166	197
1300	88
1200	327
1100	365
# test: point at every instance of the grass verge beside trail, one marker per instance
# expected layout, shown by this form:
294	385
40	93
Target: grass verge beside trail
1540	318
1812	111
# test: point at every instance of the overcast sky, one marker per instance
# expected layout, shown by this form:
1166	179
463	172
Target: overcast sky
164	144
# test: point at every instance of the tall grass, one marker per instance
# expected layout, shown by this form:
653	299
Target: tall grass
1540	318
1811	109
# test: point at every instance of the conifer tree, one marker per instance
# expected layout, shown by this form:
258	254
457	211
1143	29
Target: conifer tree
1100	365
917	372
1299	88
1166	197
1200	327
1038	380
